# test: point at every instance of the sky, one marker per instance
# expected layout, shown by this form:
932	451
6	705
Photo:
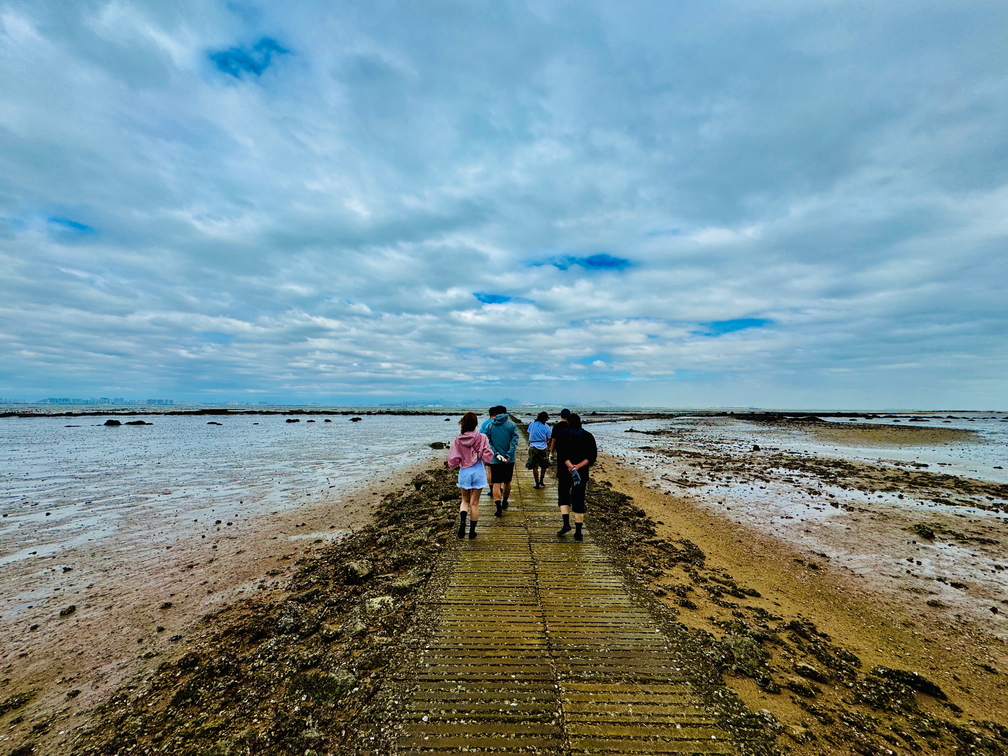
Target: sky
768	204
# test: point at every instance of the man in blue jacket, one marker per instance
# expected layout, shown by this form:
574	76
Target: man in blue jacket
503	435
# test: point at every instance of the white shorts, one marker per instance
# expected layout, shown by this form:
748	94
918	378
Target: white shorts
472	477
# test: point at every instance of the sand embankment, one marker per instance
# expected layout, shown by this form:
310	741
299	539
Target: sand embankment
876	434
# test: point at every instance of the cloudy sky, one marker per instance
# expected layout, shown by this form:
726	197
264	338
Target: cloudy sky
776	204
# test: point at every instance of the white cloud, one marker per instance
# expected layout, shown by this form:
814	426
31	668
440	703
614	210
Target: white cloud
320	229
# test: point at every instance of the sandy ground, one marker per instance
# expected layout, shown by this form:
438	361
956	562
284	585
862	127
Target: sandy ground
130	613
880	622
886	434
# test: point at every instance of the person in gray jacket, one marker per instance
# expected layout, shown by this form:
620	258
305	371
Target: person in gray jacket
503	435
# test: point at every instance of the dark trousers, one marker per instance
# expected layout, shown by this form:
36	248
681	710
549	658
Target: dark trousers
567	493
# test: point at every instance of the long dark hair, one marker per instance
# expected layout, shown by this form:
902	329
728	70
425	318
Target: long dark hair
574	422
469	422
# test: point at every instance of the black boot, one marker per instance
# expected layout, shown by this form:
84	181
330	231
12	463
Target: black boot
462	523
577	532
504	503
499	511
566	525
472	529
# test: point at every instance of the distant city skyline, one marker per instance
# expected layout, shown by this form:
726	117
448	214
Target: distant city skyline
651	204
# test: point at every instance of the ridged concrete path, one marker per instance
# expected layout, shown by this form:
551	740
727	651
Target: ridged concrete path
540	648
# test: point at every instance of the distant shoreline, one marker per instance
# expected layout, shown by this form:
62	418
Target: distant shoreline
226	411
589	416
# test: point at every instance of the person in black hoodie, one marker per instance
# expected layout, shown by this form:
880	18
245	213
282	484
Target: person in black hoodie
576	452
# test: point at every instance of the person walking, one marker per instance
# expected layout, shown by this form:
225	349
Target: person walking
558	426
539	435
576	452
491	414
503	436
468	452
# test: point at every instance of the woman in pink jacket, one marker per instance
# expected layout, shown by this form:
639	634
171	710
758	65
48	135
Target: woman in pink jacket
468	452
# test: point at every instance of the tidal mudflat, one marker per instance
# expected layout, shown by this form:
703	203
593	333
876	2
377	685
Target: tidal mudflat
916	512
115	539
890	540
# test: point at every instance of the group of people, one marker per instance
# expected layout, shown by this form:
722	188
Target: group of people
486	458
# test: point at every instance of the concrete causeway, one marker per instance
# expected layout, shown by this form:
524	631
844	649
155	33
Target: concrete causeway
540	647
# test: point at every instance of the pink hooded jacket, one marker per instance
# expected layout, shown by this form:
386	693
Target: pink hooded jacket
468	449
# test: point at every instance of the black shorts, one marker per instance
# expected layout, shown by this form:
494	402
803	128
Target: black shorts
569	495
502	472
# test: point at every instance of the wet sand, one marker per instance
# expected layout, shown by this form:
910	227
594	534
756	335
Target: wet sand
132	614
854	434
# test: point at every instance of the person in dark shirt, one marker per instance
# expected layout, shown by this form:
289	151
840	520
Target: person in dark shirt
560	425
576	452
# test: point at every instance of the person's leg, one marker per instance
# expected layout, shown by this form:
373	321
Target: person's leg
497	499
563	499
463	481
543	463
578	505
505	492
463	513
474	496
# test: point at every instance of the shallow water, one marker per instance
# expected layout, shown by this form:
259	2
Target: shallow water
62	488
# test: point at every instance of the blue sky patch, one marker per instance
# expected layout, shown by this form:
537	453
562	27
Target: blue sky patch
216	338
238	60
721	327
65	224
486	298
601	261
